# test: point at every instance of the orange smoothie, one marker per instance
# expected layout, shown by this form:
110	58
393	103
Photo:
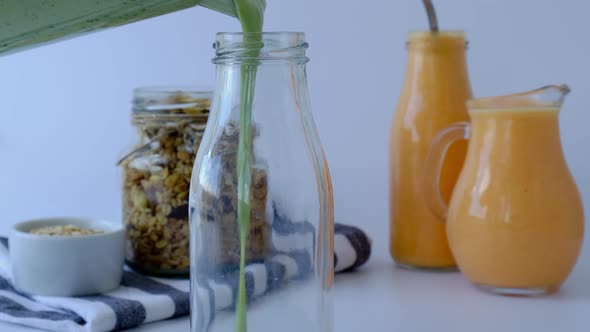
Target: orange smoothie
433	96
515	219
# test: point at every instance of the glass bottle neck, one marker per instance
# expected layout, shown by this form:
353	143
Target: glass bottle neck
274	60
446	48
437	59
276	84
452	56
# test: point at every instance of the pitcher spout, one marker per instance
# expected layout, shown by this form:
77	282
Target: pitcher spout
550	96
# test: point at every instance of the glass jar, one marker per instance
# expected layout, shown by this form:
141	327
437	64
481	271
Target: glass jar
156	176
281	261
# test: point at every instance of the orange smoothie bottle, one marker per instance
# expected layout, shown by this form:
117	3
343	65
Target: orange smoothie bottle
435	90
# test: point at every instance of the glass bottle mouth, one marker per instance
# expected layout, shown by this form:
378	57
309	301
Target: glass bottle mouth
424	34
240	47
429	39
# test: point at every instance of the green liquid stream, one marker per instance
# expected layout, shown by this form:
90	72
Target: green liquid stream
251	16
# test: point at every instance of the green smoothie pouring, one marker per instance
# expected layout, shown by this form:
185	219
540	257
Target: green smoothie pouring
251	16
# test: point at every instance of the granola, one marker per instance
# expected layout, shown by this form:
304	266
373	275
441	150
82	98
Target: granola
218	210
156	178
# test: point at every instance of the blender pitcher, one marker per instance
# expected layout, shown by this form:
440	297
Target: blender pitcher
515	221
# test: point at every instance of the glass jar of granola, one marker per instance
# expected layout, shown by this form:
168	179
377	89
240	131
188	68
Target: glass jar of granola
156	177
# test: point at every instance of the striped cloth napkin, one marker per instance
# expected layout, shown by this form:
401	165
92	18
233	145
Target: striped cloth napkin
141	299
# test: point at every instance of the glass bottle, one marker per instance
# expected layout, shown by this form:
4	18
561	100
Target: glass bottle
289	245
30	23
433	96
170	122
516	220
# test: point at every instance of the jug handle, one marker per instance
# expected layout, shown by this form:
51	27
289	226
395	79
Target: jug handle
434	164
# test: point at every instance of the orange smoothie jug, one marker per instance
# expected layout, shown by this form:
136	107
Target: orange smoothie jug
434	93
515	222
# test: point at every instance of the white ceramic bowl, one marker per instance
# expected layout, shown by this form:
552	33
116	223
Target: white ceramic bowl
67	265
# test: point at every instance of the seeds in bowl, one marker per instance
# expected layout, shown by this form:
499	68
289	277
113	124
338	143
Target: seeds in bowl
65	230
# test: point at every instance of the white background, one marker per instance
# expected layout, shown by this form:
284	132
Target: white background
65	109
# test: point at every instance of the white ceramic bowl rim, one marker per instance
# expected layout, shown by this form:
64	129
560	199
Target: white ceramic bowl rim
22	229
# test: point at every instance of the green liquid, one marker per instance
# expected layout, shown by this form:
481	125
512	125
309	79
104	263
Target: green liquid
251	16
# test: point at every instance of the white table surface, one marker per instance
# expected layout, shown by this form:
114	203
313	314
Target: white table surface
380	297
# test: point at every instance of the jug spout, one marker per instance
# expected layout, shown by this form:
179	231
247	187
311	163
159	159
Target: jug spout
549	96
552	95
